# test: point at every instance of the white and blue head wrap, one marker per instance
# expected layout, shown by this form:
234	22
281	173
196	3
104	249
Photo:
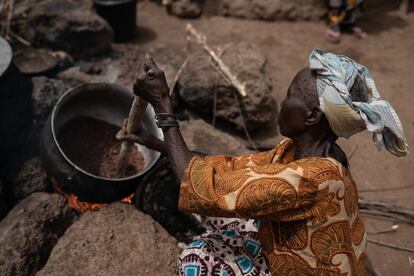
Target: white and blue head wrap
336	75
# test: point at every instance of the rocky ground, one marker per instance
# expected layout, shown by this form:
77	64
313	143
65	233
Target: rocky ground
45	226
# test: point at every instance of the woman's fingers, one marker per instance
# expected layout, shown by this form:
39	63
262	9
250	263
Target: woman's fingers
149	61
128	138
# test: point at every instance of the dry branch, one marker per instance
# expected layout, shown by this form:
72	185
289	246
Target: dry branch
224	70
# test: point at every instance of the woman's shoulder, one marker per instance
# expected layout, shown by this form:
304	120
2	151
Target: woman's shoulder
321	169
338	154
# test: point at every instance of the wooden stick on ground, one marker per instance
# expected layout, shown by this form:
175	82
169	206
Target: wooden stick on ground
393	246
9	19
134	121
386	210
202	40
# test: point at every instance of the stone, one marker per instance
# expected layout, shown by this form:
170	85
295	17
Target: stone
29	232
274	9
46	93
82	76
185	8
204	138
31	178
150	198
67	25
200	81
116	240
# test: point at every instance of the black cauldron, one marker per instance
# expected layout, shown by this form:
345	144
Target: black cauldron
121	16
16	104
103	101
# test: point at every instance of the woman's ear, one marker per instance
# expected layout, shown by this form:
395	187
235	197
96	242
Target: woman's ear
314	116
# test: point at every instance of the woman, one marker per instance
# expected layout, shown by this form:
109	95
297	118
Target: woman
342	15
297	203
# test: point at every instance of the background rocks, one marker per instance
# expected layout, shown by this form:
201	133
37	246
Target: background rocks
117	240
274	9
185	8
46	92
30	230
68	25
31	178
203	137
200	81
152	200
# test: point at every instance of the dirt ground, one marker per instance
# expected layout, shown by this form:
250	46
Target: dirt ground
387	52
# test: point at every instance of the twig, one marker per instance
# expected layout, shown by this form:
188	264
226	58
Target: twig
19	38
9	18
393	246
221	51
215	100
388	210
393	229
403	10
225	71
386	189
2	4
3	12
246	132
179	72
216	84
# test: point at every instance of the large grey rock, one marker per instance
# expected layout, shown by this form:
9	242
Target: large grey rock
116	240
274	9
31	178
29	232
46	92
69	25
203	137
200	81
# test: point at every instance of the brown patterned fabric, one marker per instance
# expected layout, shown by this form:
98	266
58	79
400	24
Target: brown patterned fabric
308	208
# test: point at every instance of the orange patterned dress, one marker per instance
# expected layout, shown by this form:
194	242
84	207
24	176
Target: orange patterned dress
308	208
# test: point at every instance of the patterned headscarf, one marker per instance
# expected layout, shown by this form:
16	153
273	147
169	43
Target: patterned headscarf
336	75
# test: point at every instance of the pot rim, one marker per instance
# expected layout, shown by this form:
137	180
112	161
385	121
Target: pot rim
6	55
111	3
52	125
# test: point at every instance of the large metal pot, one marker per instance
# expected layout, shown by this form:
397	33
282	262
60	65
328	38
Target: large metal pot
16	111
103	101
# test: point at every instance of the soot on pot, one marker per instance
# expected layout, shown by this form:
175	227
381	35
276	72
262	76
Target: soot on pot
90	144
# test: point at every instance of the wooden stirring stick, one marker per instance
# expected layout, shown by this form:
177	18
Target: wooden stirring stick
136	114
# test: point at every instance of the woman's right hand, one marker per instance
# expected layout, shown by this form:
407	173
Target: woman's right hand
143	137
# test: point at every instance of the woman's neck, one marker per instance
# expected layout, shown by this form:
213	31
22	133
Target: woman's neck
307	145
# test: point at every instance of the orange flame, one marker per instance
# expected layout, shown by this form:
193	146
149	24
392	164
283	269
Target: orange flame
82	206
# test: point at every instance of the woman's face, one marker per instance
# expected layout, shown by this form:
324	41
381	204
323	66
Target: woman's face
293	112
